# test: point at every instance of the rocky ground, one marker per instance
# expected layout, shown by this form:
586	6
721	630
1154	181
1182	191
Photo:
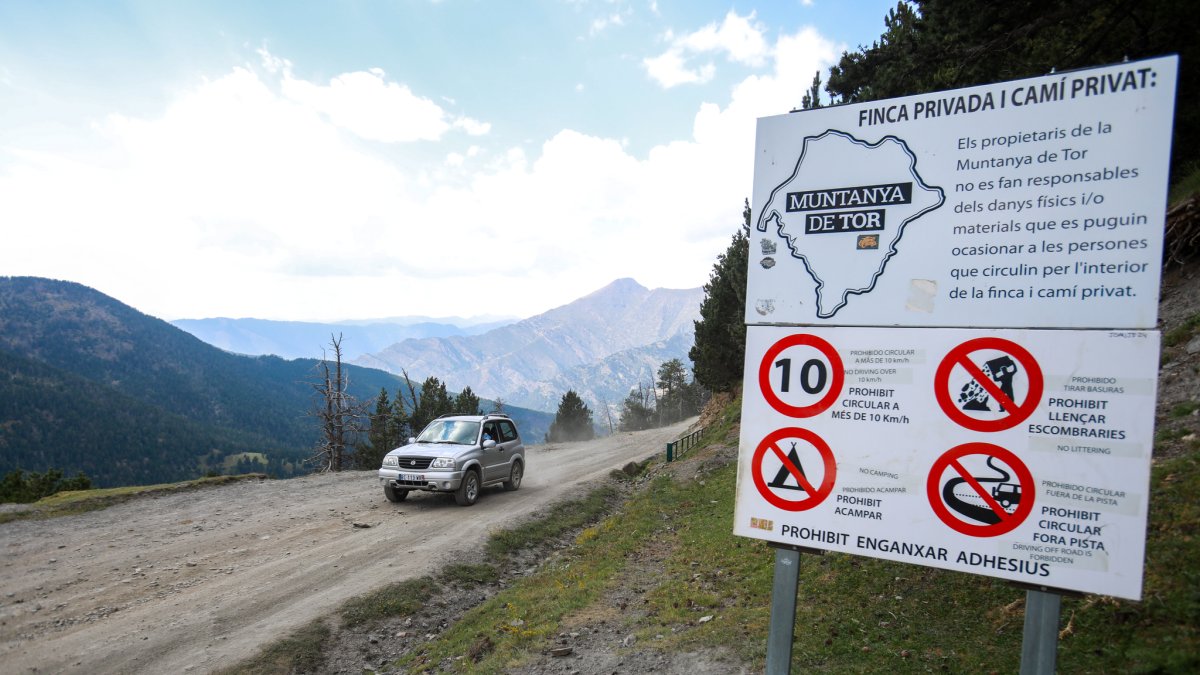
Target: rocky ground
1179	376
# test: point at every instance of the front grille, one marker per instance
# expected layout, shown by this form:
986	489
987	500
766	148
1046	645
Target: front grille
411	483
414	463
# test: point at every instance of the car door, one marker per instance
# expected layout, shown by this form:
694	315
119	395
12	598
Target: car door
509	445
495	464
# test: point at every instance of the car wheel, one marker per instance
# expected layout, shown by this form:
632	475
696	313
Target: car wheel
514	479
393	495
468	491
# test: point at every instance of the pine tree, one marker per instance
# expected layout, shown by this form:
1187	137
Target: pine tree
637	410
720	342
672	382
433	402
466	402
573	422
384	434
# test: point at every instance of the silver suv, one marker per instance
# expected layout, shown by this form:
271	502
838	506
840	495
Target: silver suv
456	453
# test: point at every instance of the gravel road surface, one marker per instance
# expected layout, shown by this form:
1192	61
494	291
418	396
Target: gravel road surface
197	581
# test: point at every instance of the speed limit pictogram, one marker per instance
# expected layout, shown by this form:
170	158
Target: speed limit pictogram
801	375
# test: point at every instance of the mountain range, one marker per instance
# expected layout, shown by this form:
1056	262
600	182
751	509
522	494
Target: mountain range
301	340
90	384
600	346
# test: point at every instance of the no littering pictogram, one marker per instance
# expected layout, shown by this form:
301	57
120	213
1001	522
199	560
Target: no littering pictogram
793	469
806	380
1002	387
980	489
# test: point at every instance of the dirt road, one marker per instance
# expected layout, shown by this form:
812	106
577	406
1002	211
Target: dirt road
197	581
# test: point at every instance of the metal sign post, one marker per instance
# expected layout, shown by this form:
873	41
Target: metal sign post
783	610
1039	642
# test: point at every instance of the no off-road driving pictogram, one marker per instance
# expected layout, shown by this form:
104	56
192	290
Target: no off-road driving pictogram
793	469
801	375
988	384
980	489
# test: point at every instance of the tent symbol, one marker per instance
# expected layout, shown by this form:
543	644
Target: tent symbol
782	476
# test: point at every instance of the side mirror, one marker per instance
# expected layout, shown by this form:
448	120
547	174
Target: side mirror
411	440
489	444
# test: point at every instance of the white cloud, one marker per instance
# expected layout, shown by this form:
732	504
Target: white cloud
244	198
472	127
738	38
599	24
670	69
369	106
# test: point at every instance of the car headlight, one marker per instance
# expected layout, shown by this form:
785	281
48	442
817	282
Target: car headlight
391	460
442	463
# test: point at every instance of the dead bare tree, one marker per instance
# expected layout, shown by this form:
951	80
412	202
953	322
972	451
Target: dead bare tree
607	415
339	414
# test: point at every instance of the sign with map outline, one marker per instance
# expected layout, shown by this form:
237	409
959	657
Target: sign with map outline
1031	203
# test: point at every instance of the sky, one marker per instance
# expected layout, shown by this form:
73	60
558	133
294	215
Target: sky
324	161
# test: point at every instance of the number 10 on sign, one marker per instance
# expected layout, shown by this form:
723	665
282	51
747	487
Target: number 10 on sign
801	375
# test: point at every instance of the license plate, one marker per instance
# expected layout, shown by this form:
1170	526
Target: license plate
415	477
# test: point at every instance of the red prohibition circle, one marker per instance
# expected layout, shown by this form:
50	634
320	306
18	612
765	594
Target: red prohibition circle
836	378
1008	521
960	356
816	493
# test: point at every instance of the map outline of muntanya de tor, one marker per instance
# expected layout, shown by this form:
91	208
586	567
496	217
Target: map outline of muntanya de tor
844	209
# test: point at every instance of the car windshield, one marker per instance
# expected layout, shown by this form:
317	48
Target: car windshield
450	431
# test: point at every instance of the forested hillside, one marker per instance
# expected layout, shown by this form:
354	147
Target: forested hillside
90	384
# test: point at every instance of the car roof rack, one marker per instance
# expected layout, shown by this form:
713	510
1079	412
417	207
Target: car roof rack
498	415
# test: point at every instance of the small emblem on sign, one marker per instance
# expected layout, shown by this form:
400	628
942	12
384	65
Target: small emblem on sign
762	524
868	242
767	263
764	307
768	247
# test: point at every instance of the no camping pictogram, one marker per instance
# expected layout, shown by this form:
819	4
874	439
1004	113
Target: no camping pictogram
793	469
801	375
980	489
988	384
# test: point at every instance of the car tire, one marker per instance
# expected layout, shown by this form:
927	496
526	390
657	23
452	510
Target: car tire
393	495
514	479
468	490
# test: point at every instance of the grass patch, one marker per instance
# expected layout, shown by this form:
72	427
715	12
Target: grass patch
1160	634
303	651
562	518
394	600
1183	409
1184	187
81	501
466	573
1181	333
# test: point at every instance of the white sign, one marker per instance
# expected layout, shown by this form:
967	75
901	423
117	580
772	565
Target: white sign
1018	454
1034	203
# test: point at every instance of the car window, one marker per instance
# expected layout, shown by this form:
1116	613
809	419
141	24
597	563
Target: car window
489	431
507	431
450	431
